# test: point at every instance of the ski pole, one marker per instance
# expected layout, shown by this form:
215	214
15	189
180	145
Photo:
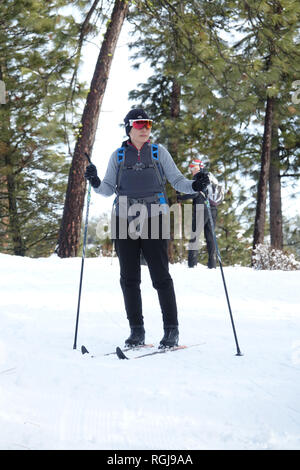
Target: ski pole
223	277
83	255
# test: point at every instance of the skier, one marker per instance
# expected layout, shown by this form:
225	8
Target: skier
138	171
214	192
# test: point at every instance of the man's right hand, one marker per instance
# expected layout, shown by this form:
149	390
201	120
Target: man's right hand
91	175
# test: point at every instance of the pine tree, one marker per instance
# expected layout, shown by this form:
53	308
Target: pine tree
37	49
276	224
269	50
178	44
69	236
229	89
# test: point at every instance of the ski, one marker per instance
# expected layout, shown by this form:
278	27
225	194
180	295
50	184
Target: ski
121	355
129	348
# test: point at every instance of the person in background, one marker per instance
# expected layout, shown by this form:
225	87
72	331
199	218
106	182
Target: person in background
214	193
139	170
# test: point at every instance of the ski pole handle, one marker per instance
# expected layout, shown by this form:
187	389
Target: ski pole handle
88	157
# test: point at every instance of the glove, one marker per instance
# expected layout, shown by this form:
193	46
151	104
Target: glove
91	175
178	196
201	182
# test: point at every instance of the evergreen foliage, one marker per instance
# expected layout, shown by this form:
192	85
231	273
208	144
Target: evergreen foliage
217	65
38	56
227	58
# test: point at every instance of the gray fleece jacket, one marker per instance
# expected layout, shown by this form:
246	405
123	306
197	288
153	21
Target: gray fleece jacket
174	176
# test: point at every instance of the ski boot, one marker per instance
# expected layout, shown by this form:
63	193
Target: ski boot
137	336
211	263
170	338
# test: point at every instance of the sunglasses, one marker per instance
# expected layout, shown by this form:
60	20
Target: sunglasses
140	123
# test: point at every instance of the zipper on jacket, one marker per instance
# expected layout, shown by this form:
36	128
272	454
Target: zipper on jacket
139	150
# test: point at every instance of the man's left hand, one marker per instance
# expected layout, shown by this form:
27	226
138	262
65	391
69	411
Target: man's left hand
201	182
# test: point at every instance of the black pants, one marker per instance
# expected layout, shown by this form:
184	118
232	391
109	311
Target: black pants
155	253
210	243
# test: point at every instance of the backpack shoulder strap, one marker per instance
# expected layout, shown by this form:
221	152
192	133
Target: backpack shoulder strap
159	172
120	154
154	152
155	157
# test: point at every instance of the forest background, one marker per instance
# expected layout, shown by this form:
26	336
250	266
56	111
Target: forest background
220	79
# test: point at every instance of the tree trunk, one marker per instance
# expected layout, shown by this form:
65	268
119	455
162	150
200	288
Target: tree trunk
275	193
12	221
175	111
260	216
13	217
69	237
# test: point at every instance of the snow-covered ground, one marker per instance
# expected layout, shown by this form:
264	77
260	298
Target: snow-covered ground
205	397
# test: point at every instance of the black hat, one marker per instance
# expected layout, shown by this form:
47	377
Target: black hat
132	115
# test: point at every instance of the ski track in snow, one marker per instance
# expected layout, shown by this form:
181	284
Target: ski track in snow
205	397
